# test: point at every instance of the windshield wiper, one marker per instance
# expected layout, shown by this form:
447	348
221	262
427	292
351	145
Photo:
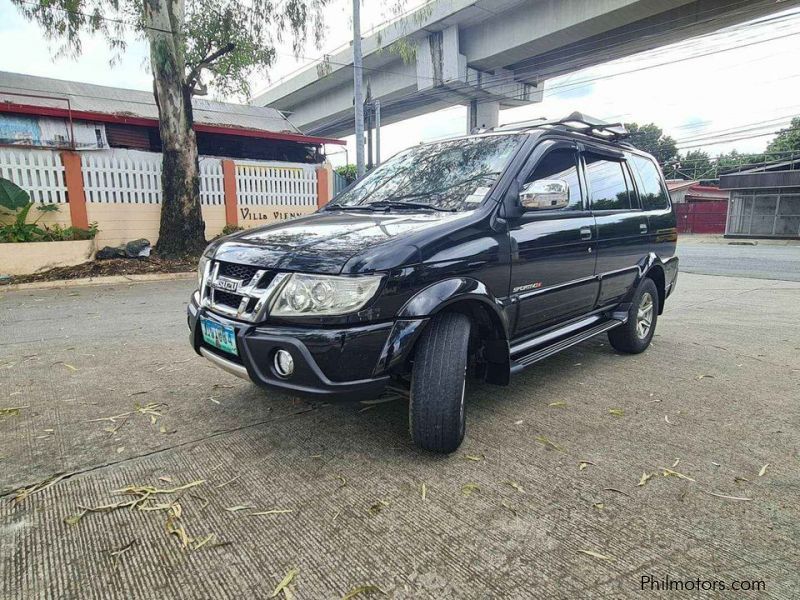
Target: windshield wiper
386	204
347	207
404	204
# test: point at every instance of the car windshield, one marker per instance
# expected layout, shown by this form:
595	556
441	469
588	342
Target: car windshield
454	176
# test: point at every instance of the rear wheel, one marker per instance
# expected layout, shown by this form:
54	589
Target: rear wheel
634	336
438	383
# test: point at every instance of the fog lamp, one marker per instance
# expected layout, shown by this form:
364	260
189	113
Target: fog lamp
284	363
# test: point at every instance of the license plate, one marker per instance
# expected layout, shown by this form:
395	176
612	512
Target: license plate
219	335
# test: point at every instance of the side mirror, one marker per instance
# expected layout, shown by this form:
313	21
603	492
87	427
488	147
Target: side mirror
544	194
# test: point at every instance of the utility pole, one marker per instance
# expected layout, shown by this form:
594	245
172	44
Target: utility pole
368	128
368	124
357	85
377	132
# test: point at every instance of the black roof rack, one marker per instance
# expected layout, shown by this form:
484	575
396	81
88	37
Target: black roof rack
576	122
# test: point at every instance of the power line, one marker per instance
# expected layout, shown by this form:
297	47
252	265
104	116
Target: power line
732	132
737	139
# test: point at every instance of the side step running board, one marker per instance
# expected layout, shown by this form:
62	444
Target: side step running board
540	354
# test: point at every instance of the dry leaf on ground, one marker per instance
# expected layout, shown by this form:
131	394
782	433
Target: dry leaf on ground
645	478
286	581
547	443
362	589
516	486
595	554
274	511
468	488
670	473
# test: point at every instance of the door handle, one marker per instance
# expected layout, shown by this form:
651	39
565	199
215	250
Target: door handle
586	233
643	227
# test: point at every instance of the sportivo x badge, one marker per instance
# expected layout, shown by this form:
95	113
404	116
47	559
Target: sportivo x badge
524	288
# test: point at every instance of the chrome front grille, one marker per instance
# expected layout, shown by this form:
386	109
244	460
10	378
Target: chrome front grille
242	272
239	291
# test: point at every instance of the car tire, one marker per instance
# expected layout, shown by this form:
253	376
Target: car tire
636	334
438	383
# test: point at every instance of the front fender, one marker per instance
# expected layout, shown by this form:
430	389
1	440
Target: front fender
438	296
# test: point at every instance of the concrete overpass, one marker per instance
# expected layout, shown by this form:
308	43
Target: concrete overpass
491	54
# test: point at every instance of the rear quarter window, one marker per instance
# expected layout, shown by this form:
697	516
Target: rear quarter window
652	193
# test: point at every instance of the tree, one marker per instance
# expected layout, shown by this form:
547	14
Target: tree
193	44
651	138
696	165
787	140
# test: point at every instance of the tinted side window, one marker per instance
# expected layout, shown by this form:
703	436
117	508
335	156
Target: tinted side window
561	164
607	184
648	179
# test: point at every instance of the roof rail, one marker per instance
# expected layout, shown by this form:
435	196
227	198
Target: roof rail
576	122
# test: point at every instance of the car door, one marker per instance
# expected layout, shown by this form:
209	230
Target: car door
552	251
622	226
655	202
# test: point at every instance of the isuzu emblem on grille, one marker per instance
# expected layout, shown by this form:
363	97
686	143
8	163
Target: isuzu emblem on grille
227	284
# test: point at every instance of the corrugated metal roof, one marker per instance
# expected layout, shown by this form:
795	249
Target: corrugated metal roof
135	103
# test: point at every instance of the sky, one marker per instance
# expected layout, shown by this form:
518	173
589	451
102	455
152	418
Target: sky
695	90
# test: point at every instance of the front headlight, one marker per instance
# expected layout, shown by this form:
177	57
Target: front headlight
201	269
313	295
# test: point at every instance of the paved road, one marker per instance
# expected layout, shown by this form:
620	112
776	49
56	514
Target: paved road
110	395
760	262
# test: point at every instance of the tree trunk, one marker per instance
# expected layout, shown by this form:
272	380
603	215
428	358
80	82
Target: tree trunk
182	229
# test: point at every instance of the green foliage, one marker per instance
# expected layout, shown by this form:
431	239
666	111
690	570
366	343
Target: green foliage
696	164
348	172
405	49
787	140
12	197
651	139
56	233
17	229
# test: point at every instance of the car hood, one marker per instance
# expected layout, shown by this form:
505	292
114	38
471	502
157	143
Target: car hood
325	242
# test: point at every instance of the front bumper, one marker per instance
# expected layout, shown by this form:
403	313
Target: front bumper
336	363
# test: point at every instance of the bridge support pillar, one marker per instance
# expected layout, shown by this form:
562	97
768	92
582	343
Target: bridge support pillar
482	114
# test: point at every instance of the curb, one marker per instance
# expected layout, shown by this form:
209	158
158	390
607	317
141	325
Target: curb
110	279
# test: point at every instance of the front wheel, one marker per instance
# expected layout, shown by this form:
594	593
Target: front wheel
438	381
635	335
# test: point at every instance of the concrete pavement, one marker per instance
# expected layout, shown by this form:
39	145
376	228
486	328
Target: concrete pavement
714	255
541	501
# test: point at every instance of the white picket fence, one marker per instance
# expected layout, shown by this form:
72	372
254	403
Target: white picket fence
122	176
134	177
276	183
38	172
212	182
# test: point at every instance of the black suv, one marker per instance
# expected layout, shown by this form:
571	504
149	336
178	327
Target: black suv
482	254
